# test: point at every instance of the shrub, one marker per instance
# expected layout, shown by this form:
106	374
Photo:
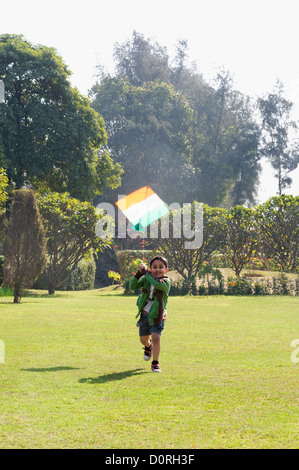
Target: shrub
127	290
258	289
202	290
280	286
6	292
238	286
213	278
180	288
82	278
114	276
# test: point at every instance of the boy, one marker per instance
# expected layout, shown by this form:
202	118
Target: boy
152	304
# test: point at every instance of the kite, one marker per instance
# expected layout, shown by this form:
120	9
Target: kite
142	207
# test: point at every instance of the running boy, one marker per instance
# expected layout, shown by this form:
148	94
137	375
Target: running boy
152	304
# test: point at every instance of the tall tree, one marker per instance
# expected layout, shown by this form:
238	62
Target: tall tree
148	128
220	162
24	245
225	144
50	136
139	61
275	112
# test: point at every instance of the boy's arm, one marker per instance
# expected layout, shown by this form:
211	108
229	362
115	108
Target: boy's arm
137	281
163	286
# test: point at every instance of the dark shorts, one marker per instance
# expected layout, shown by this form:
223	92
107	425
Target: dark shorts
145	329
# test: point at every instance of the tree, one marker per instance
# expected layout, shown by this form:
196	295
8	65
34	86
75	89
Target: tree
275	114
277	220
24	245
189	261
225	142
219	163
148	134
241	237
70	230
140	61
179	73
50	137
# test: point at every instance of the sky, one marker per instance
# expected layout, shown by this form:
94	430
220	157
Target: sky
255	40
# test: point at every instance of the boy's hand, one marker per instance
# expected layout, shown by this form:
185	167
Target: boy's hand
142	268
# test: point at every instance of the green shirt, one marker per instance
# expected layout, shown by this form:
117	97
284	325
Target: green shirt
145	283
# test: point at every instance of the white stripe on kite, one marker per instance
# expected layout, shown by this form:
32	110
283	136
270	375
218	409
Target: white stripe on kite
134	213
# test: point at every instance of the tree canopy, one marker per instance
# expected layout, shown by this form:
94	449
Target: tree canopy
275	114
148	130
164	115
70	231
50	136
278	225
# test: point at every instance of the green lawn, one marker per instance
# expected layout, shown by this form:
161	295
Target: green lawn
74	374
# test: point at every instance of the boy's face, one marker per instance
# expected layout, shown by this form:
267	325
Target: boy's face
158	268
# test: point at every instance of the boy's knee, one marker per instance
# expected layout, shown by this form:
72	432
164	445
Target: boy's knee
156	338
144	340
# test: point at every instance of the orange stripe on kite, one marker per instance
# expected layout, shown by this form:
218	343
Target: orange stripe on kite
135	197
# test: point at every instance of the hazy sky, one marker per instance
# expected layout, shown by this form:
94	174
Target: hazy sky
256	40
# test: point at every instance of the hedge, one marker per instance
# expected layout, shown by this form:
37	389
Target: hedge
240	286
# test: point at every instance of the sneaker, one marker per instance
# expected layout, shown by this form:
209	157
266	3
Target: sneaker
156	367
147	352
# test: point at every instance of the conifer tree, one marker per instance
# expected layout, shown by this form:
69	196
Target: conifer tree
24	245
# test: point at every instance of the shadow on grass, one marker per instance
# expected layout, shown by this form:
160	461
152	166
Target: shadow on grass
114	376
50	369
40	294
26	298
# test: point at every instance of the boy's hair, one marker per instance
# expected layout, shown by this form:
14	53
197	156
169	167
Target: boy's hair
160	258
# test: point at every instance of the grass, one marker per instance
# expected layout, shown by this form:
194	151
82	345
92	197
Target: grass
74	375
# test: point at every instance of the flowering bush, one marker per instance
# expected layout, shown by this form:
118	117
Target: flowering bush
238	286
114	276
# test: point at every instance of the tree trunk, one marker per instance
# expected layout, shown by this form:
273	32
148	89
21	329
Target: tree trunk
17	291
17	299
51	290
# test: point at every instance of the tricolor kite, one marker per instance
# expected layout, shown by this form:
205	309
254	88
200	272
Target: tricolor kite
142	207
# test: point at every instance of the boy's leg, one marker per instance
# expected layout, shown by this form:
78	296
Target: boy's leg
145	340
156	341
144	335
